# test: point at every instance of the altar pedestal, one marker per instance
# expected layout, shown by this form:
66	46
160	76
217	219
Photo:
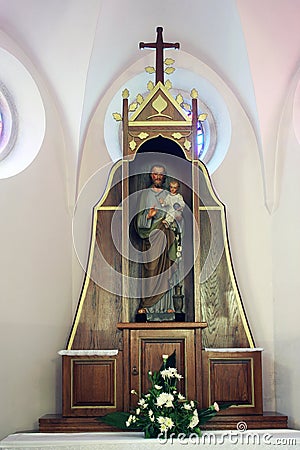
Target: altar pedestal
98	382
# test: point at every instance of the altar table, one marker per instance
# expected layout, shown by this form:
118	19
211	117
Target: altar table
252	439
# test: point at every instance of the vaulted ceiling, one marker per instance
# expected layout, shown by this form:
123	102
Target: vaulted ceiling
79	47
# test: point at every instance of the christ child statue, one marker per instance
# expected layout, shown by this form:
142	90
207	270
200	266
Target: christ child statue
174	204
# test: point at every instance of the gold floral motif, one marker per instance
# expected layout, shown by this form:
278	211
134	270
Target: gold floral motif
125	93
143	135
150	69
159	104
194	93
133	106
168	84
132	145
150	85
177	135
117	117
202	117
187	144
179	99
186	106
169	70
139	99
169	61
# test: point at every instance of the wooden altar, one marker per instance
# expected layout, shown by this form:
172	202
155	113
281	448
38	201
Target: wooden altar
214	344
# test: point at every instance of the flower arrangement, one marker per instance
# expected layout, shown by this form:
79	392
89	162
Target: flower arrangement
163	411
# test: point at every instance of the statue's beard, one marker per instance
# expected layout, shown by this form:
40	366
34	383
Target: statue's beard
157	184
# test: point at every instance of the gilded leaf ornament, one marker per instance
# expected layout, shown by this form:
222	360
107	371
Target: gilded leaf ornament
150	85
159	104
132	145
150	69
202	117
194	93
117	116
187	144
133	106
177	135
187	107
179	99
143	135
139	99
125	93
169	61
169	70
168	84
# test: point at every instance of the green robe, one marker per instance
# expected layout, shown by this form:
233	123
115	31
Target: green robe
159	248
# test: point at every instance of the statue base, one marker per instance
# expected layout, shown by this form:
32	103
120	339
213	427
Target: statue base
160	317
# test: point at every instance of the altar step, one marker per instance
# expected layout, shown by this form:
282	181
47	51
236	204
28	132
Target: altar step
55	423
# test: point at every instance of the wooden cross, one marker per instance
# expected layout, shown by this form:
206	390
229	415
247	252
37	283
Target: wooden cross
159	45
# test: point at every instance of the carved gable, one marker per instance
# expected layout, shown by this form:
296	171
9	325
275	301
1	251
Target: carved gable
158	107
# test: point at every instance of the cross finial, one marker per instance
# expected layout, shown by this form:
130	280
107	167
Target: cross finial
159	46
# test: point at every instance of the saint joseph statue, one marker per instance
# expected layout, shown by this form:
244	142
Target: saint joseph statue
159	247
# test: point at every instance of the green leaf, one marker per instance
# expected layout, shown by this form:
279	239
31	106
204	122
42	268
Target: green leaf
117	419
197	431
206	414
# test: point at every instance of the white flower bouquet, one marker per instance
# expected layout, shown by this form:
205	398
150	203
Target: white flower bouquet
163	411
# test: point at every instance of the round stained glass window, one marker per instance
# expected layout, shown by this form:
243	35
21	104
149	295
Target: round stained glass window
8	123
1	126
200	138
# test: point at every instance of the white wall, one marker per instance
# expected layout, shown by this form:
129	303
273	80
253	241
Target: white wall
286	264
36	282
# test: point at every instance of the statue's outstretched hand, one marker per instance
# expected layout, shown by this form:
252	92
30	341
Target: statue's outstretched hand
152	212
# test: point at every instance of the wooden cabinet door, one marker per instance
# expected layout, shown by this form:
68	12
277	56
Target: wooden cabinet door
146	350
233	376
92	385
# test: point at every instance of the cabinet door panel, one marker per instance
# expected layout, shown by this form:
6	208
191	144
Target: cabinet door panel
233	377
147	348
151	358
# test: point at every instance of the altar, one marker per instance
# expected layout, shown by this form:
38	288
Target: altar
289	439
159	281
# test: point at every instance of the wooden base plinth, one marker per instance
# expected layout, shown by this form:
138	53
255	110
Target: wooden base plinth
266	420
55	423
52	423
